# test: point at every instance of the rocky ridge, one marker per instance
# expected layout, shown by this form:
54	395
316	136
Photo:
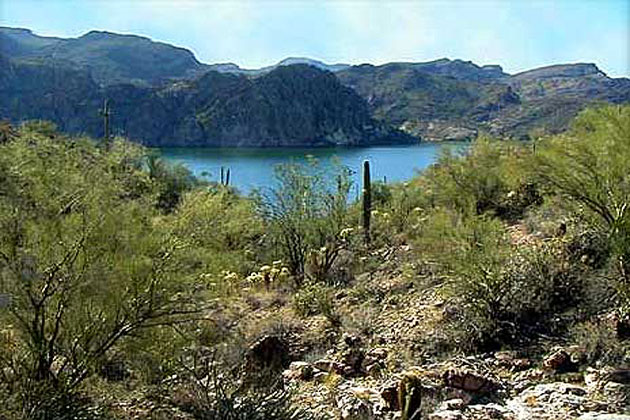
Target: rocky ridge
162	95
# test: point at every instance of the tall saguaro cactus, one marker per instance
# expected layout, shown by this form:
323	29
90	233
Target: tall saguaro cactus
106	113
367	200
225	176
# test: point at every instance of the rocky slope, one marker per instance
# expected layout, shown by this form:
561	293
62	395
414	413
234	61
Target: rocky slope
446	99
296	105
162	95
109	58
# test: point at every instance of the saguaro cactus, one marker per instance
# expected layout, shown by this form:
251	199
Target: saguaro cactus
410	396
367	200
227	177
106	113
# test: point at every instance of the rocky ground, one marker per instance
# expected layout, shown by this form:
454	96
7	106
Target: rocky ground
384	366
378	356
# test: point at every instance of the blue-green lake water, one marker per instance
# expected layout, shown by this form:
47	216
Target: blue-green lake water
254	168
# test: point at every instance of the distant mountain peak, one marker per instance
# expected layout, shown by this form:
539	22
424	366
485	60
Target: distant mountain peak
8	29
562	70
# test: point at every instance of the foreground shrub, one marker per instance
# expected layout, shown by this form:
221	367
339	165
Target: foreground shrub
82	264
307	214
210	391
588	166
499	293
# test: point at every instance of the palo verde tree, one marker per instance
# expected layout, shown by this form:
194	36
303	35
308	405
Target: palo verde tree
83	264
307	214
588	166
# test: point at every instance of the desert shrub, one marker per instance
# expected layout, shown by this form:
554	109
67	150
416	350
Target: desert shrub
381	194
210	390
221	232
588	167
82	262
173	181
39	127
307	214
315	299
488	177
599	343
498	292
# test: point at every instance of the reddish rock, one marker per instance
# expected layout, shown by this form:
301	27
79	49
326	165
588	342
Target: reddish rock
560	361
389	393
469	381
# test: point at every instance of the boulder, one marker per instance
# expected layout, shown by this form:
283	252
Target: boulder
621	376
560	362
452	404
328	365
389	394
469	381
299	371
446	415
489	411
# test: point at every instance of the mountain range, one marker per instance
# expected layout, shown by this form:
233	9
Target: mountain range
161	95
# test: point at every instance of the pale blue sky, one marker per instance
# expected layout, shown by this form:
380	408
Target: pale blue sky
518	34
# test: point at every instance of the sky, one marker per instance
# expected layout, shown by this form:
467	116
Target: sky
517	34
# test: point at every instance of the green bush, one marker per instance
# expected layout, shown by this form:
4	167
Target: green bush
211	391
499	292
82	261
491	177
588	167
173	181
221	231
307	214
315	299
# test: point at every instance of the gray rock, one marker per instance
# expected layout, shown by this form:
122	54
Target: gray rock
489	411
299	370
452	404
446	415
552	401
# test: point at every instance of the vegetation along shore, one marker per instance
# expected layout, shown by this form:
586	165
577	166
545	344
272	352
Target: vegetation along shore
495	284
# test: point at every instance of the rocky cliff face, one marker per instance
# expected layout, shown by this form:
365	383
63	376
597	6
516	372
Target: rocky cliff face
295	105
110	58
447	99
163	96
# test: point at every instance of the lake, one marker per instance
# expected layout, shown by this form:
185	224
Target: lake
252	168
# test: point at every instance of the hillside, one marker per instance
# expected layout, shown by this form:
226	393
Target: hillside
109	58
494	285
296	105
454	99
162	95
